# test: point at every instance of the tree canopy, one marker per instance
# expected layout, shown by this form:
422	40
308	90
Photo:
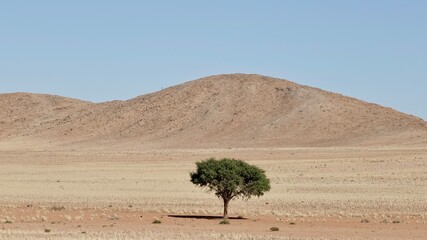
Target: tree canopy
230	178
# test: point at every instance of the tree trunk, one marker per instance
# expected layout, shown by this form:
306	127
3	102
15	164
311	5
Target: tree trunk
226	201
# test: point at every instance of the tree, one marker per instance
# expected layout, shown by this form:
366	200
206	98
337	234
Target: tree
230	178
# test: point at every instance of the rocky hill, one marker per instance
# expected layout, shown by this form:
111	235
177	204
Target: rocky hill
236	110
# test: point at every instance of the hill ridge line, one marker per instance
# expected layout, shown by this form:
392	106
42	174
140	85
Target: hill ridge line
231	110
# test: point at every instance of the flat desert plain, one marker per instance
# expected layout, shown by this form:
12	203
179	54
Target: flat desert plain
317	193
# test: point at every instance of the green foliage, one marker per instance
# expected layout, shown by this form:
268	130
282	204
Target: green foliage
230	178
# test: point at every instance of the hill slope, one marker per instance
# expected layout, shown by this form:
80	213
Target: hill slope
236	110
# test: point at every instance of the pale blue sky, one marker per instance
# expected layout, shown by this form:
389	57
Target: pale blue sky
103	50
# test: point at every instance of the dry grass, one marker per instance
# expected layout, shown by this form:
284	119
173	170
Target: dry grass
146	235
316	183
308	184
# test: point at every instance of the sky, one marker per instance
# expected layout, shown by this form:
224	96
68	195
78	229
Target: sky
99	50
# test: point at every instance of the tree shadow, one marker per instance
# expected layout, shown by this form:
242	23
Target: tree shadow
204	217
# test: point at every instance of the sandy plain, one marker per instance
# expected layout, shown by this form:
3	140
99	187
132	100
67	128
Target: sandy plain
317	193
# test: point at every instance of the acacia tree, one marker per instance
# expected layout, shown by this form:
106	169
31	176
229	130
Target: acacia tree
230	178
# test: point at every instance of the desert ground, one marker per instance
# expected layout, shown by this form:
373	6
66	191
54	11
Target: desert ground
340	168
317	193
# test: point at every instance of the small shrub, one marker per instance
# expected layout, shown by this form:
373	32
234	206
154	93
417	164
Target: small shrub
47	230
157	221
364	220
8	222
385	221
274	229
396	221
58	208
292	223
224	221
